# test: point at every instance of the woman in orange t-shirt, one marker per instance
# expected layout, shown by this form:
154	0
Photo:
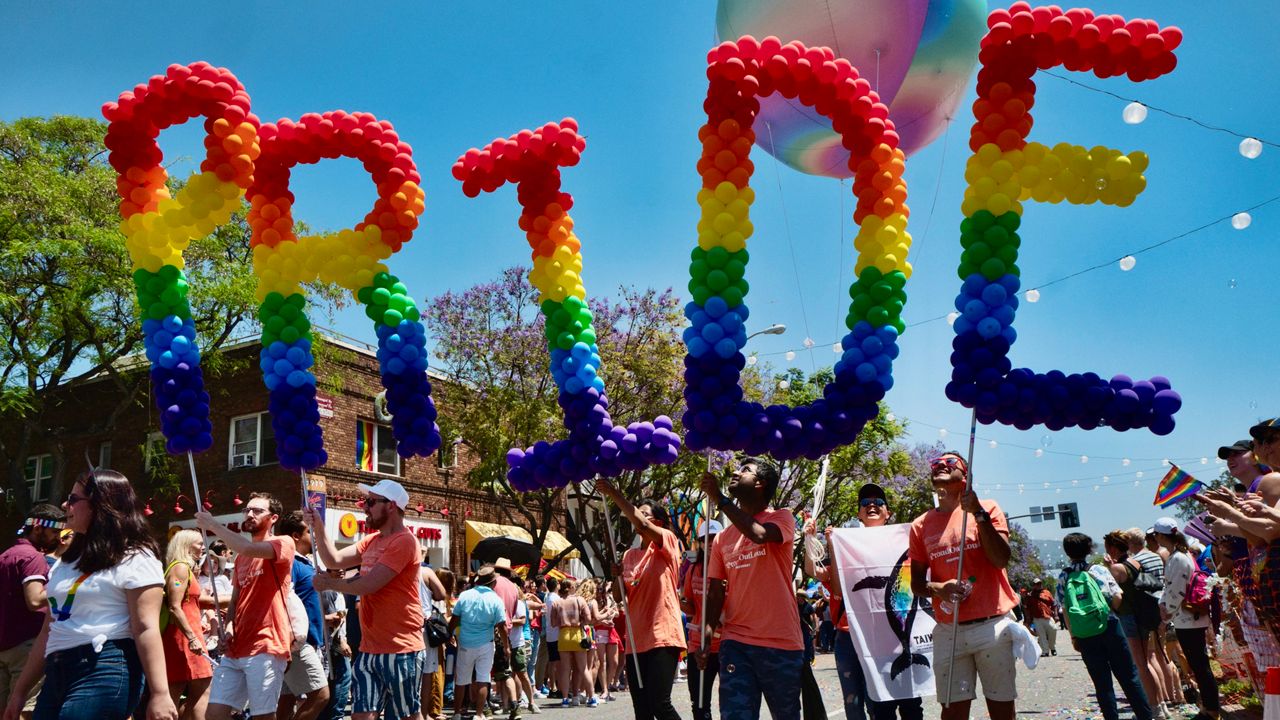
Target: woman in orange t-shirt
649	579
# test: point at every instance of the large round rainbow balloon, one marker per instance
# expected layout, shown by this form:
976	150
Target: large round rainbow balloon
917	54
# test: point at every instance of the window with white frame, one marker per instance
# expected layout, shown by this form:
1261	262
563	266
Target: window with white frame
104	455
253	441
39	475
376	448
448	455
153	451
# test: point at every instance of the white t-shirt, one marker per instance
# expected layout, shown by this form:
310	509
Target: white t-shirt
94	609
552	632
516	633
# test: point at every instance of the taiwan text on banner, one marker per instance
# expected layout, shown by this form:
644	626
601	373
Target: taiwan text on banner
892	631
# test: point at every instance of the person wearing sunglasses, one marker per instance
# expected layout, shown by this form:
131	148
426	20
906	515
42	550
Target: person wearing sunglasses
388	672
101	637
981	644
259	644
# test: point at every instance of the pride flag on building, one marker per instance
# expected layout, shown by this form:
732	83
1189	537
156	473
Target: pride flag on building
364	445
1176	486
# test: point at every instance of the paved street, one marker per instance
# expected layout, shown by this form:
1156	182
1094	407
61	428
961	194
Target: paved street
1058	689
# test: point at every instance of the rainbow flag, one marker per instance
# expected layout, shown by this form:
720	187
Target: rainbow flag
364	445
1176	486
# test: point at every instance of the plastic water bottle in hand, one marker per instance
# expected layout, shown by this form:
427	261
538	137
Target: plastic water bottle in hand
966	587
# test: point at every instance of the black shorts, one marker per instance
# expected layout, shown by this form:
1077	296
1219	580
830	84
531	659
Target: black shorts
553	650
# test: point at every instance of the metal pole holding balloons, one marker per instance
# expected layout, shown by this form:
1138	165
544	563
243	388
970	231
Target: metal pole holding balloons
964	538
204	537
631	638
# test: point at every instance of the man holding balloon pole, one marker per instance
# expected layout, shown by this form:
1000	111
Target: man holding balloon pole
980	645
761	649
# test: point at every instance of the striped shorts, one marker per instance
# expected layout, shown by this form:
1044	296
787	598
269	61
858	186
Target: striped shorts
388	680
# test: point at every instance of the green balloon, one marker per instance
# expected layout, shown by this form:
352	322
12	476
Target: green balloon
893	307
701	293
381	296
993	269
881	291
897	279
549	307
289	335
965	270
735	270
560	317
364	295
732	295
1010	221
289	312
717	280
869	276
983	219
383	279
717	257
698	254
878	316
565	341
900	325
996	236
275	324
588	336
743	286
413	313
302	325
862	303
398	303
572	303
169	273
392	318
699	268
979	253
1008	254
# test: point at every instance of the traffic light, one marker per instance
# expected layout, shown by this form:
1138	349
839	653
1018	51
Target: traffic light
1069	515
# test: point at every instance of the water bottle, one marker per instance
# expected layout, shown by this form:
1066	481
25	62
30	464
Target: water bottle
966	587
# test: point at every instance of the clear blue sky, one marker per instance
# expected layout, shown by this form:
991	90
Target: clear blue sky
455	75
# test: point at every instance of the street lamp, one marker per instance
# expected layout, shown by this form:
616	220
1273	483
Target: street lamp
774	329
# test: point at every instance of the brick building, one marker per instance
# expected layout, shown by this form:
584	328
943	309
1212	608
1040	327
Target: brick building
357	436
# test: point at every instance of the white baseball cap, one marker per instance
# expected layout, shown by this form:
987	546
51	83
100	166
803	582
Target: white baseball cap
1165	526
715	529
389	489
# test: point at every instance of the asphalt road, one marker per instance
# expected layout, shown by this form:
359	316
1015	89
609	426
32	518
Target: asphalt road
1058	689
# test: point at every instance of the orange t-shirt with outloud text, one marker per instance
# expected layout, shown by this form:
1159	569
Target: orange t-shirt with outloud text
935	543
391	618
260	619
649	575
760	600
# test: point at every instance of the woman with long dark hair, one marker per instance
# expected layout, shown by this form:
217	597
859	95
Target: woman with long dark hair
102	635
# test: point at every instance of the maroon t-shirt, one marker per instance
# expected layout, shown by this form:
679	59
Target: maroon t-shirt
19	565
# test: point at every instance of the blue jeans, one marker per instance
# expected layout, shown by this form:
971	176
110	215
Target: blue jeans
853	684
80	684
1106	655
748	672
340	692
535	644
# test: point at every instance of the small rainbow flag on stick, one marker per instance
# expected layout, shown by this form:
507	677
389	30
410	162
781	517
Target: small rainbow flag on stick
1176	486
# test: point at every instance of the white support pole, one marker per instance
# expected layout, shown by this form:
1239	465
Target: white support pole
631	638
315	564
213	579
964	535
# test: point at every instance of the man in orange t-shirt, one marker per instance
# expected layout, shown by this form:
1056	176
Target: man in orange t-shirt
983	639
258	648
389	671
761	649
649	575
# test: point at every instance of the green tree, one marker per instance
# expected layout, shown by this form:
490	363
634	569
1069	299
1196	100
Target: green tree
66	291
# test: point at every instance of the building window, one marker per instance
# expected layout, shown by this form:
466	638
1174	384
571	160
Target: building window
253	441
153	451
376	449
104	455
448	456
39	477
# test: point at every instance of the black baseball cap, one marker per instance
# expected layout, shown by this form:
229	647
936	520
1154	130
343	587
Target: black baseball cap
871	490
1235	448
1265	429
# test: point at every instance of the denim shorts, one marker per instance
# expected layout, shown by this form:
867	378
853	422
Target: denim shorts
80	684
1129	626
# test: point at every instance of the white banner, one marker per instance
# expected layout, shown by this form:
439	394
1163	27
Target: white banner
892	632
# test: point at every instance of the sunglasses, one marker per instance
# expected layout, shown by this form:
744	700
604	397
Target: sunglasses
370	502
950	462
871	502
73	498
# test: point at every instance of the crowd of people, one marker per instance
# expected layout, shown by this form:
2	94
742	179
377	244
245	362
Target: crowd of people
273	620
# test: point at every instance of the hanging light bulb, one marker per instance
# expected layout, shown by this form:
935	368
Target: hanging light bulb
993	444
783	384
890	417
808	342
751	360
1125	462
1127	262
1039	452
1250	148
835	348
1204	461
1241	220
1164	462
1033	295
943	432
951	317
791	355
1134	113
1106	478
1139	474
1095	488
1084	459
